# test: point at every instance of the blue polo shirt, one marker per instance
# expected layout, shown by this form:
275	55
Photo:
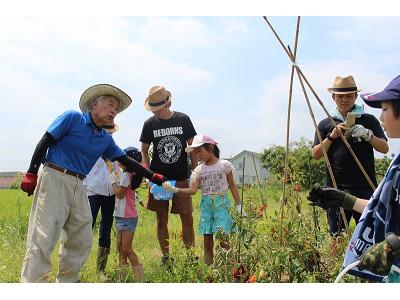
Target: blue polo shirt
78	143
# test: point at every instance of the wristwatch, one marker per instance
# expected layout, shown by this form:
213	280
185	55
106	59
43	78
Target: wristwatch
393	241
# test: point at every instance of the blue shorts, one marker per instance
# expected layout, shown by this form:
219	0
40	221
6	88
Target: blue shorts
126	224
214	214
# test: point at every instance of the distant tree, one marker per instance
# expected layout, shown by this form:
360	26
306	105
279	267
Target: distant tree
302	169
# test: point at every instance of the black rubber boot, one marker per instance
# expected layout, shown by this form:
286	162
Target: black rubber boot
102	256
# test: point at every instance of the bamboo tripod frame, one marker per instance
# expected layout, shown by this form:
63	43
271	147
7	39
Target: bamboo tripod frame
301	76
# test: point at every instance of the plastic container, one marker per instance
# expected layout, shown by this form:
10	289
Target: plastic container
159	193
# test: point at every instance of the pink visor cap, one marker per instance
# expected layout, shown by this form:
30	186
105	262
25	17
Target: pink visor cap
200	140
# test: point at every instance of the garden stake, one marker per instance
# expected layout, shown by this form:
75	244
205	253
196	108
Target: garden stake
315	217
258	179
285	173
241	209
291	57
323	149
301	74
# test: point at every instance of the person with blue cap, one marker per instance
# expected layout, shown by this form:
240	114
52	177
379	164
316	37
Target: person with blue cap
376	239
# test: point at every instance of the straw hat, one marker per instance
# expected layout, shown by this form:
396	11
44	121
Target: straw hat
85	103
157	99
344	85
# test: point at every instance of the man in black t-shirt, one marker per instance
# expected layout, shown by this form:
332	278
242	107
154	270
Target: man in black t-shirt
365	136
169	132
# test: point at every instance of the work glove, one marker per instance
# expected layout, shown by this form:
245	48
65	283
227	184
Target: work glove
239	209
169	188
359	133
158	179
378	258
327	197
28	183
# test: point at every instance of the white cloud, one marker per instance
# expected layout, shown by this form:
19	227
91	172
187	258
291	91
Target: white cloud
46	63
175	33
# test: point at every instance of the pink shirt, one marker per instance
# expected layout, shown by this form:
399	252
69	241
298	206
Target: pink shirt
126	207
213	179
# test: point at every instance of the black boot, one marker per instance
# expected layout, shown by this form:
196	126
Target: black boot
102	256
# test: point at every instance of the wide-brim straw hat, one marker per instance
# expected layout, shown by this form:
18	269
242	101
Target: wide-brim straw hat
85	103
344	85
158	97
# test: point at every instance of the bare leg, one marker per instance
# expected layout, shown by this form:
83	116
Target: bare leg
162	232
187	229
209	249
127	238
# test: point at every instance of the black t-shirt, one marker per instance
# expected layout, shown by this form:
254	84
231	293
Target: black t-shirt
169	138
344	167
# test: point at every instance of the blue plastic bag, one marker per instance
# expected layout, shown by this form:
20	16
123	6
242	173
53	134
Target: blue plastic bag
159	193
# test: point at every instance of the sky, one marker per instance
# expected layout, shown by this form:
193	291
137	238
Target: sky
228	73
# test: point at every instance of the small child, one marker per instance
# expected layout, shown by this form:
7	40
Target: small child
214	176
126	216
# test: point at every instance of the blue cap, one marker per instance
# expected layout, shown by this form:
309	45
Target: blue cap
134	153
390	93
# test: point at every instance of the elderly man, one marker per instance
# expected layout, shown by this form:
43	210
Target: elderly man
367	135
73	142
169	132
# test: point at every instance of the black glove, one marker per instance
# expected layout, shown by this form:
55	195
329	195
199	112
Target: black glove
327	197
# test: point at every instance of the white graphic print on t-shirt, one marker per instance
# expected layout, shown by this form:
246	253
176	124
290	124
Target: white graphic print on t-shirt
169	149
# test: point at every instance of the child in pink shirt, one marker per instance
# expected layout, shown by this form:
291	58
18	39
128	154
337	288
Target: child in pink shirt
126	216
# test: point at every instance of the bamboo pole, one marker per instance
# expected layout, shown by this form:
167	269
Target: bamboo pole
285	172
291	57
258	178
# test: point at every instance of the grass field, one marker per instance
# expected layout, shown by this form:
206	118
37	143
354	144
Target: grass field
14	214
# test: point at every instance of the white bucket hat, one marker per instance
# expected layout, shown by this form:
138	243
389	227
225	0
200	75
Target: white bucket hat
85	103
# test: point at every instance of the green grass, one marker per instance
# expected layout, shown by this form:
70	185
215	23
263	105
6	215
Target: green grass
14	215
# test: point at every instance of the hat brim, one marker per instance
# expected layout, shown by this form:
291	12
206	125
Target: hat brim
158	107
332	90
190	148
374	99
85	103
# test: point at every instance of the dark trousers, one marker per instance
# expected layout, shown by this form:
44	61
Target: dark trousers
106	203
336	224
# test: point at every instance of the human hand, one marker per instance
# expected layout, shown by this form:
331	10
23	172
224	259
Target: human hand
158	179
28	183
327	197
169	188
378	258
359	132
335	132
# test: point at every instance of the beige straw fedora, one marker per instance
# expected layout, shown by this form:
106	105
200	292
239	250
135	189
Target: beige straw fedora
157	99
344	85
85	103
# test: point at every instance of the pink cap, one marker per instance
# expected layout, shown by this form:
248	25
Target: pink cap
199	140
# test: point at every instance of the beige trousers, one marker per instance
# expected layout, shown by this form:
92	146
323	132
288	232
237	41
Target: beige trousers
60	207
